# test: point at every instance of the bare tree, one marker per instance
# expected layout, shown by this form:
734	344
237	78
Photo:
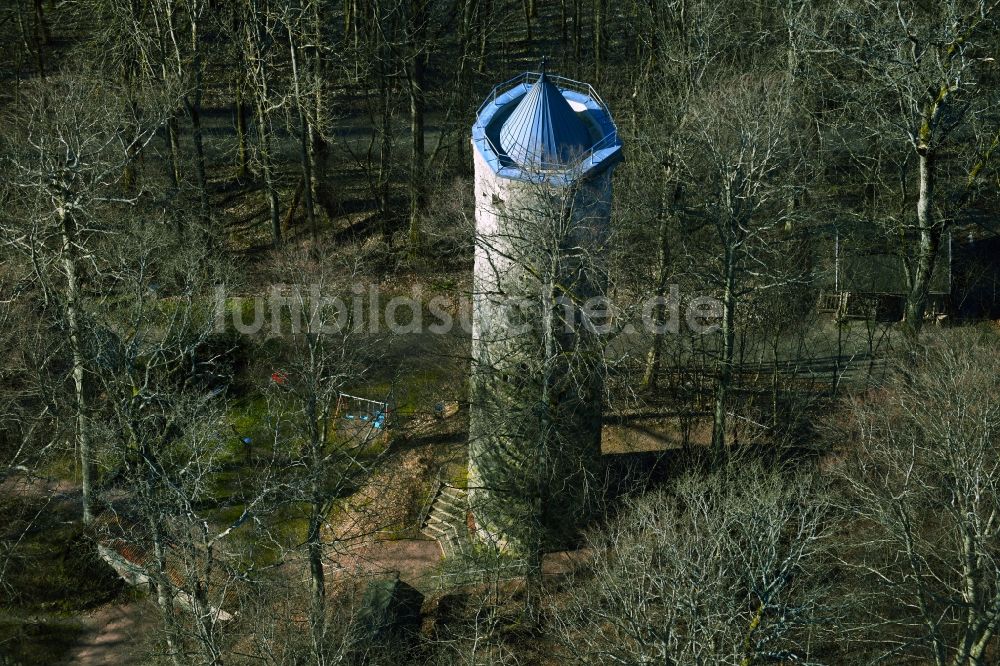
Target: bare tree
472	612
61	180
738	154
684	42
260	31
417	30
307	46
156	49
923	478
31	434
328	353
164	440
724	569
381	29
926	68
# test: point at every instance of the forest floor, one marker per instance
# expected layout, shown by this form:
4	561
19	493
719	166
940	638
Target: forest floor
422	370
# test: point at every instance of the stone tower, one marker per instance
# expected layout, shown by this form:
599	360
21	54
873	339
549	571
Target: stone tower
544	148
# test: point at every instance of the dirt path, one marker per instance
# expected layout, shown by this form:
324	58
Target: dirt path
413	559
113	635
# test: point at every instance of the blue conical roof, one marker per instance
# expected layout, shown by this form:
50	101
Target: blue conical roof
544	132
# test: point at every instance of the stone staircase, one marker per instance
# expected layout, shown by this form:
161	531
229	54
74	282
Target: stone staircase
445	521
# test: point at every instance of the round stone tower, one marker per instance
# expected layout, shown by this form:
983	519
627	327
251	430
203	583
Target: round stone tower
544	148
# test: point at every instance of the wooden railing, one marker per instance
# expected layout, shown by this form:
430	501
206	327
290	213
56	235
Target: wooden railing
880	306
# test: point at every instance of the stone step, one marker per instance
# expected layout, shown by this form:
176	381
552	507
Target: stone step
456	506
454	493
443	511
446	533
456	543
452	547
443	530
446	520
448	542
441	523
437	529
437	535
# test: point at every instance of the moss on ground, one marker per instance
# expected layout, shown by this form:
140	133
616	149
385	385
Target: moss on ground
56	569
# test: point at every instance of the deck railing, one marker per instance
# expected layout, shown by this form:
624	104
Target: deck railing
526	79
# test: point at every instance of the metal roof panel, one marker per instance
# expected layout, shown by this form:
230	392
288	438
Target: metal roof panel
544	132
600	151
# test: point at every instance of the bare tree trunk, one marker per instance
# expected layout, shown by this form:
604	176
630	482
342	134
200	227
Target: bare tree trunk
418	17
304	132
533	576
484	25
307	175
318	148
792	74
173	138
194	113
193	104
267	170
165	36
416	167
319	507
243	161
164	598
927	248
274	206
130	176
18	62
205	615
41	36
29	39
130	74
655	35
652	370
563	28
467	41
725	364
259	81
349	18
239	106
385	122
774	379
68	225
293	207
42	27
598	37
317	583
527	20
577	31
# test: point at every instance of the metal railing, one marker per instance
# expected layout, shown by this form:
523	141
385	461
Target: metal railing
526	79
